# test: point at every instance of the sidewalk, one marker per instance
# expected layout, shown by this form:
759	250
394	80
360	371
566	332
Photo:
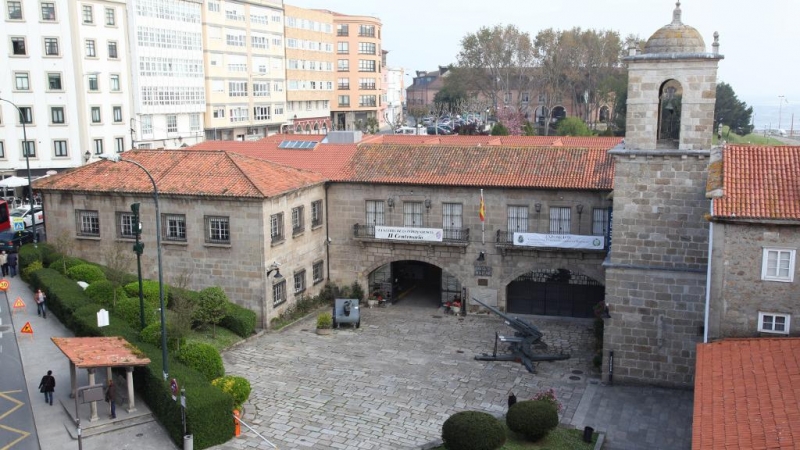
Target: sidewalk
54	424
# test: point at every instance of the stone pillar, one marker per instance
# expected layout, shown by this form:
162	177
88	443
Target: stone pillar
129	384
73	380
109	375
94	417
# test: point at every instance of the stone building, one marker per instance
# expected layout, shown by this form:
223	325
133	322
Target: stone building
657	266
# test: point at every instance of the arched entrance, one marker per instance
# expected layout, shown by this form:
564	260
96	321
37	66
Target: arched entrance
554	292
414	282
559	112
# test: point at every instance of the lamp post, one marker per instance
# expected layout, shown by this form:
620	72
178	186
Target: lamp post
27	162
274	267
117	158
781	99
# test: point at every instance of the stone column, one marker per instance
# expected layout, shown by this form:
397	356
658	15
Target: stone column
94	417
73	380
129	383
109	375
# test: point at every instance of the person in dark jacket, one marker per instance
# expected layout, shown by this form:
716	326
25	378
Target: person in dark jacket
111	395
47	386
12	264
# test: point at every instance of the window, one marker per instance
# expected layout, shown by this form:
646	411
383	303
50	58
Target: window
172	123
298	223
599	221
375	215
261	89
366	65
119	144
14	10
26	115
342	48
96	118
195	122
276	227
98	146
366	48
174	227
111	20
278	293
343	65
126	227
773	323
213	6
147	124
525	97
542	98
57	115
88	14
316	272
112	49
366	30
517	219
54	81
262	113
507	97
300	282
367	100
560	220
2	149
344	100
90	49
29	149
51	46
237	88
59	148
218	230
260	41
344	83
22	83
218	113
18	46
316	213
412	214
114	81
366	83
93	84
452	220
118	114
88	223
777	265
343	30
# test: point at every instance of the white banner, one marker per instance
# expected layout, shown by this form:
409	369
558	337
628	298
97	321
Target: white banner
409	234
559	241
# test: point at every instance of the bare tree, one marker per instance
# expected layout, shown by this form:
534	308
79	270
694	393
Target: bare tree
119	261
182	308
417	112
64	244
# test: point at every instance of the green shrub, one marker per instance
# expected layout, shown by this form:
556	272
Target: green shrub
151	334
103	292
149	291
86	272
324	320
211	306
236	387
203	358
128	309
241	321
60	263
64	296
473	430
356	291
29	269
532	418
29	254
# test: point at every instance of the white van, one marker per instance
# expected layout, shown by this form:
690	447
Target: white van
409	130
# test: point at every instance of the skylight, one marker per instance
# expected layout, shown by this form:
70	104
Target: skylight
298	144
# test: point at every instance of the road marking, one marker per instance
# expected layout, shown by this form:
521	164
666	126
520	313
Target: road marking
18	404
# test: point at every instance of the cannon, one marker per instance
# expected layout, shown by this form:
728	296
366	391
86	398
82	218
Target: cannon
520	346
346	310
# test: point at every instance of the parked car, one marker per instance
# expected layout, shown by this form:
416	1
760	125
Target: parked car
24	211
438	130
11	241
409	130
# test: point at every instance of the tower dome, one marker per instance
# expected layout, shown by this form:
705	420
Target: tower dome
675	37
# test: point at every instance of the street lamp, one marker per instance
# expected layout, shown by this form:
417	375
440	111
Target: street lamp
117	158
27	160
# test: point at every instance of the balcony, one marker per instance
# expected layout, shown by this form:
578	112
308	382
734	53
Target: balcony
450	237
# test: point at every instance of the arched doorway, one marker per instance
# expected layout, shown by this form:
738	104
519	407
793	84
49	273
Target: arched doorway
558	113
669	114
554	292
541	115
415	283
604	114
316	128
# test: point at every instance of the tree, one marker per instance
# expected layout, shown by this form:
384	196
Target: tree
119	261
183	308
417	112
211	307
64	244
731	111
511	119
572	126
499	130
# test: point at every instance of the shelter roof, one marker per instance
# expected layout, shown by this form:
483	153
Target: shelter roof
92	352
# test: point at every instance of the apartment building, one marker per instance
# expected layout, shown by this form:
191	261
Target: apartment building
168	84
309	70
245	74
65	65
395	95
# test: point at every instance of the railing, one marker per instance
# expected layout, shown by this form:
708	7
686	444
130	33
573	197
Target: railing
453	236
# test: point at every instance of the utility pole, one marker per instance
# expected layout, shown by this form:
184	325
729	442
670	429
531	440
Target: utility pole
781	99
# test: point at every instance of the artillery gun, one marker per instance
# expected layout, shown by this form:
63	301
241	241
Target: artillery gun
520	346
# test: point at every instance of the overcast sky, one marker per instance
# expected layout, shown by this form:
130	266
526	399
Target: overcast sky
760	39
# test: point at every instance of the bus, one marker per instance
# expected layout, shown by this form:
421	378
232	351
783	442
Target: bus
5	218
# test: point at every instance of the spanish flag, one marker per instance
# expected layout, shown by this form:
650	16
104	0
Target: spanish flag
482	210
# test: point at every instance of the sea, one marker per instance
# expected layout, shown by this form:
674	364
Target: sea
771	114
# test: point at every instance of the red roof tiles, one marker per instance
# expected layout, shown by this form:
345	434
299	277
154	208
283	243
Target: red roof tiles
89	352
747	394
509	141
760	183
199	173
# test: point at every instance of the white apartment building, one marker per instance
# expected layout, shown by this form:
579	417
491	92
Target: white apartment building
57	87
168	85
245	72
395	95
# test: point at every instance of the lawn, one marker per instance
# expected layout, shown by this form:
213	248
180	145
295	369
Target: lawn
559	439
225	338
753	138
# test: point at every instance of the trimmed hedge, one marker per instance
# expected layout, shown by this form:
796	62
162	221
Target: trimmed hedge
59	264
473	430
103	292
149	291
204	358
88	273
241	321
29	253
64	296
129	310
533	418
236	387
152	335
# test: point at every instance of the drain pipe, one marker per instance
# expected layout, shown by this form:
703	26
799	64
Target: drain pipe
327	236
708	272
611	367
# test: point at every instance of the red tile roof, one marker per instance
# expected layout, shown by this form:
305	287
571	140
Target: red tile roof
509	141
193	172
759	183
534	167
747	394
89	352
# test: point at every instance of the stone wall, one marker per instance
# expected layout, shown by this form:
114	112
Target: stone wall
738	293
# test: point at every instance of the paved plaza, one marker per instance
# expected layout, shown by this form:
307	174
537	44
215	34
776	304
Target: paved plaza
393	382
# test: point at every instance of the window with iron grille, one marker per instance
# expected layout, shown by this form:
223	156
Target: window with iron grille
300	282
375	215
298	224
599	221
560	220
278	293
316	213
316	272
518	219
174	227
218	230
276	227
452	220
88	223
126	227
412	214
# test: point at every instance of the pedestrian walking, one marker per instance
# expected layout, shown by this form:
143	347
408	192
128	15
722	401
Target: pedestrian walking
40	306
111	395
47	386
4	262
12	264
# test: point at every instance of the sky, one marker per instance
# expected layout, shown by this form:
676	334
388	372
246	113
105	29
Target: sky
759	39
